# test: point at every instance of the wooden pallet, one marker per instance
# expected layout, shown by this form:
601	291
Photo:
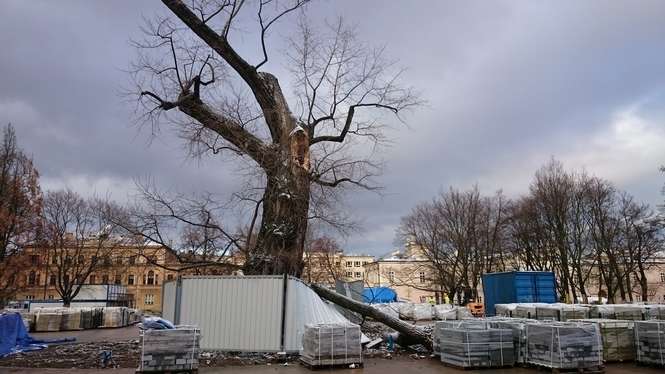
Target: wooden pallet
181	371
448	364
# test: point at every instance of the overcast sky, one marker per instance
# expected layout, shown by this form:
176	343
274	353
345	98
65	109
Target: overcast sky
508	84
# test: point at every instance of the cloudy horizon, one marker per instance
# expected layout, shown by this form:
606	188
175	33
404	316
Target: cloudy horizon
508	84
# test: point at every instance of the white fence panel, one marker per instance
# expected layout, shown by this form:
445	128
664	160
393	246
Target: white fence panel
169	300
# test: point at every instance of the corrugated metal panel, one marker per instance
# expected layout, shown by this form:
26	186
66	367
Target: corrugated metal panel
304	306
168	300
518	287
234	313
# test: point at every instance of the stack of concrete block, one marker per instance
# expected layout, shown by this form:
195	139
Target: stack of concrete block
518	327
170	350
48	320
438	334
505	310
71	319
650	342
115	316
331	344
602	311
526	310
444	312
417	312
630	312
618	338
564	345
471	346
561	312
656	311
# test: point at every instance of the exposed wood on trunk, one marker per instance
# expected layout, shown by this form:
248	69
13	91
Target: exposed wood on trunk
413	332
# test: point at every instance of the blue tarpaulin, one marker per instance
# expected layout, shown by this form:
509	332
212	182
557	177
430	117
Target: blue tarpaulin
14	337
375	295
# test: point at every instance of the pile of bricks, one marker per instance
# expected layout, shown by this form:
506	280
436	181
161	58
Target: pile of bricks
331	344
564	345
650	342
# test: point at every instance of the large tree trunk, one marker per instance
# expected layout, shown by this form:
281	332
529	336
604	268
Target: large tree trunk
412	332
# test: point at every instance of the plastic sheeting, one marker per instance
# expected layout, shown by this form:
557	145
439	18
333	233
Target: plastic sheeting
14	337
373	295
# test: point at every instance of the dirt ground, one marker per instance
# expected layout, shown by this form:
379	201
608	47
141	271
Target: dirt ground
372	366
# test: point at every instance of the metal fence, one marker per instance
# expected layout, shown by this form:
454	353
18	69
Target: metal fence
246	313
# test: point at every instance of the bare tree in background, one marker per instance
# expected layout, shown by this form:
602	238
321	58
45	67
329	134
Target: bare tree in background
20	206
79	237
230	105
322	258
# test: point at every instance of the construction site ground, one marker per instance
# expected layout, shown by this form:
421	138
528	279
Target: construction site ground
82	357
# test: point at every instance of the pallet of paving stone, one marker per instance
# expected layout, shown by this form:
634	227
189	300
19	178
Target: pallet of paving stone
417	312
564	345
630	312
331	344
505	310
561	312
439	326
526	310
655	311
48	320
170	350
650	343
618	338
477	348
70	320
518	326
115	316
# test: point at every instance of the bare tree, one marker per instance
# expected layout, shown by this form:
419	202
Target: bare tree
337	80
79	237
322	258
20	206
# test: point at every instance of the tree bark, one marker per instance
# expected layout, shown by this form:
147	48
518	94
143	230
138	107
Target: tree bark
413	332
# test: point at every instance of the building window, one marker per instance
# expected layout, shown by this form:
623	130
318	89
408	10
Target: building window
118	260
34	260
358	274
356	264
54	261
81	259
93	259
50	297
365	263
107	260
29	297
349	264
662	277
130	279
68	260
422	277
391	276
349	274
151	278
169	277
51	280
118	279
32	278
132	260
338	264
92	279
105	279
149	299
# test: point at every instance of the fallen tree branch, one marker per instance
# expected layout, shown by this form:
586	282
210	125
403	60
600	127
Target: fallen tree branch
411	332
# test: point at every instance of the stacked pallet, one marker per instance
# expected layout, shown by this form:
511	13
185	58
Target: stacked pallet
115	317
527	310
617	337
48	320
389	309
518	327
629	312
438	334
170	350
444	312
561	312
331	344
564	345
650	342
505	310
416	312
71	319
470	346
656	312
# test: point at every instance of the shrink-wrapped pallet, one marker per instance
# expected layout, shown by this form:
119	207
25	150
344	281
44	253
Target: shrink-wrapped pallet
518	327
170	350
70	320
655	311
416	312
505	310
444	312
526	310
650	342
617	337
561	312
602	311
475	346
629	312
48	320
391	309
564	345
115	316
327	344
439	326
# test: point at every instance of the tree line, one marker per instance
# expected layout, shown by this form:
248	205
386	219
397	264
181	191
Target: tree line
591	234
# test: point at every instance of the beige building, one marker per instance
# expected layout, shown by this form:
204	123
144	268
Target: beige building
408	272
325	267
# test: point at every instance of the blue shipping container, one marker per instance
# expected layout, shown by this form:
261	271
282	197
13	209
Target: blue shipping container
518	287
